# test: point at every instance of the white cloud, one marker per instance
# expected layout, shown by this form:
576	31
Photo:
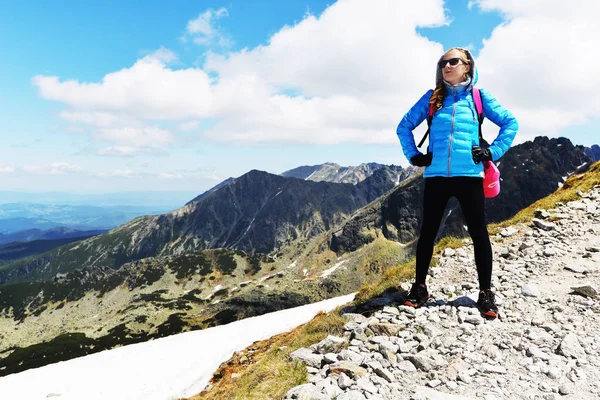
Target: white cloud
118	151
203	31
148	90
129	173
188	126
328	79
124	173
135	137
164	55
56	168
347	75
94	118
5	169
542	63
203	173
170	176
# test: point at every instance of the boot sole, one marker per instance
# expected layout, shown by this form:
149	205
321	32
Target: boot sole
489	314
414	305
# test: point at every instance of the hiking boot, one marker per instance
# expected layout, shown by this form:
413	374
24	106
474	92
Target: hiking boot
487	304
417	296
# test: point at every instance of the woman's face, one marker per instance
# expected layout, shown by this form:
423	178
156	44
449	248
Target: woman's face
454	74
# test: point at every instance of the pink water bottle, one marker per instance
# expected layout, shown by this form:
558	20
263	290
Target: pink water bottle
491	180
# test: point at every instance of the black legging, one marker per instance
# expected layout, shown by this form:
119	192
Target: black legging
469	193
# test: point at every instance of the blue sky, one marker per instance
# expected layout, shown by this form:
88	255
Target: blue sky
107	96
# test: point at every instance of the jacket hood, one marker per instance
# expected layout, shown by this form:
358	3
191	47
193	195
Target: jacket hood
472	73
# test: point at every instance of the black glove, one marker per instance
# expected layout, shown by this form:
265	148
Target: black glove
421	160
481	154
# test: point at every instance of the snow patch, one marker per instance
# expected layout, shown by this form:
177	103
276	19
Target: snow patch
248	228
108	374
308	177
328	272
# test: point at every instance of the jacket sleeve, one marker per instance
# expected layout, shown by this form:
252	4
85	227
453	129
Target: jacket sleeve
500	116
412	119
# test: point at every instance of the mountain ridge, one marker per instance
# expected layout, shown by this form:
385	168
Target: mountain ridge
256	212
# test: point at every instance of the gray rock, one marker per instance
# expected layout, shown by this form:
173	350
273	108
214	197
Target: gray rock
391	310
546	226
329	387
385	374
576	268
331	344
406	366
449	252
506	232
554	373
587	291
386	329
542	214
344	382
389	351
425	393
347	367
330	358
307	357
365	384
434	383
530	290
534	352
473	319
492	369
565	389
352	395
570	347
358	318
307	391
349	355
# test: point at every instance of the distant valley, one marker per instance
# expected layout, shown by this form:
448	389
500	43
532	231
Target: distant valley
15	217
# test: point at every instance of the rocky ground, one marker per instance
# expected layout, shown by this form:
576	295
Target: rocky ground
544	345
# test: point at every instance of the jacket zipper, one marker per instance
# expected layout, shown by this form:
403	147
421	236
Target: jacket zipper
451	130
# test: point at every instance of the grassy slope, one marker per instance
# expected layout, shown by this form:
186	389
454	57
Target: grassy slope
270	373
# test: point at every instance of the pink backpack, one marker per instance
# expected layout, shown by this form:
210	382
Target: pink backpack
491	181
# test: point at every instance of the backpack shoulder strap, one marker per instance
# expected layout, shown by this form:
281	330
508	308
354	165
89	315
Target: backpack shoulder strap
478	107
429	119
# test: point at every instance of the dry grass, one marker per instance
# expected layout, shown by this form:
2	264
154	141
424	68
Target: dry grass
389	279
568	192
271	373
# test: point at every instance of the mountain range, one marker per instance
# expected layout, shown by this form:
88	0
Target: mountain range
593	152
253	244
48	234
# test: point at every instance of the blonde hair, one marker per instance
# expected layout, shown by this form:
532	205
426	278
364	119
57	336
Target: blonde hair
439	92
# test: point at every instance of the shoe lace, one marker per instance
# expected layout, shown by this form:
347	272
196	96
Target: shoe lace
488	297
418	291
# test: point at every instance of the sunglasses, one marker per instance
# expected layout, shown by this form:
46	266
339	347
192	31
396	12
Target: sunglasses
453	62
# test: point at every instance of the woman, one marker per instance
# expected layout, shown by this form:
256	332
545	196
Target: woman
454	165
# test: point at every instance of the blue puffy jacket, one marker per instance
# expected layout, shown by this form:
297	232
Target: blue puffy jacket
455	130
